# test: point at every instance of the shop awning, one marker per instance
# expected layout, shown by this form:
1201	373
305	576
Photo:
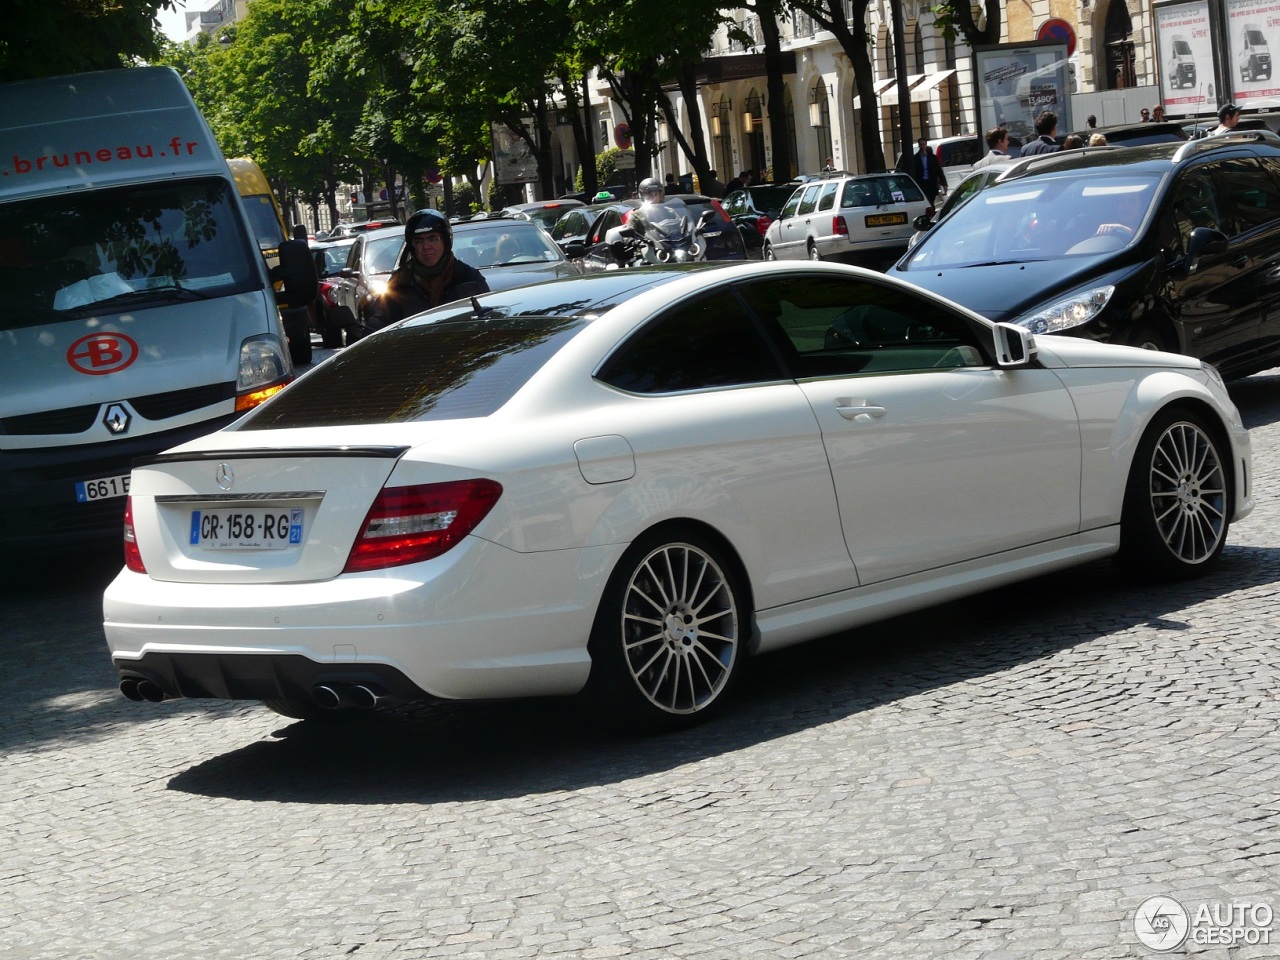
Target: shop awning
890	96
931	81
878	88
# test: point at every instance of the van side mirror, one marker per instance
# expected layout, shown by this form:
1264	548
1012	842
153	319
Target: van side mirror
923	222
1015	346
574	249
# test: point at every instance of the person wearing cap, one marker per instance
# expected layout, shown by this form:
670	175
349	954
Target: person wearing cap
429	274
1228	117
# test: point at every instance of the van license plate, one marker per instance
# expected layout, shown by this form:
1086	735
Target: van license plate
261	528
885	219
101	489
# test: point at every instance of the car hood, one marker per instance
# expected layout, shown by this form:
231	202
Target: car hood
1057	352
1005	291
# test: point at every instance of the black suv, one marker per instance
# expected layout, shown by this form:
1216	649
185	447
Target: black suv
1166	246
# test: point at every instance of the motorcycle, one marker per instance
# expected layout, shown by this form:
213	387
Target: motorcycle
658	233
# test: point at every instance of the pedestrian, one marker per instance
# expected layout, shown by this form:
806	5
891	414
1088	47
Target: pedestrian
429	274
997	147
925	170
1228	117
1145	116
300	284
713	187
1091	122
1097	139
670	185
1073	142
733	185
1046	131
1157	113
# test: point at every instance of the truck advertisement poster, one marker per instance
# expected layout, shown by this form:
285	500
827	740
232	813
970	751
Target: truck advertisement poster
1253	31
1185	44
1018	82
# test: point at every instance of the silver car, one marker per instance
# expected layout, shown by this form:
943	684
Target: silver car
844	216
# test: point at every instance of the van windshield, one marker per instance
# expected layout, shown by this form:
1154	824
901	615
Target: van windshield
123	248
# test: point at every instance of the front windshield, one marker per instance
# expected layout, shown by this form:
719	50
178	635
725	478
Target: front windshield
1047	217
264	222
90	251
382	253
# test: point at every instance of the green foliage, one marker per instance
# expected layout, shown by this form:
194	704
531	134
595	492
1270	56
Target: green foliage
45	38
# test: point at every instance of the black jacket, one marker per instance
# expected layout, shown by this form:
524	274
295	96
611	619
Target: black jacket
404	297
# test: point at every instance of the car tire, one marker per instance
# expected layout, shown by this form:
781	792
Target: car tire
1176	511
670	633
814	255
767	253
1147	337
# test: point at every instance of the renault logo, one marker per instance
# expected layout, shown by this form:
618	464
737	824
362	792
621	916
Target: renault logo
116	419
225	476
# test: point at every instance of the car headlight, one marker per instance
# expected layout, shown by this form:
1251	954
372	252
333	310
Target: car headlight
377	288
1069	312
263	361
1215	378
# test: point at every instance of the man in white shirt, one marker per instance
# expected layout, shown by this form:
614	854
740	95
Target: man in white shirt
997	147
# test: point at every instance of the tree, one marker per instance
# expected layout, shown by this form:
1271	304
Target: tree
955	17
45	38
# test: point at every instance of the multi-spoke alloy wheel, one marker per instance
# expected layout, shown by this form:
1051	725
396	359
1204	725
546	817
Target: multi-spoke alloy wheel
1177	507
669	636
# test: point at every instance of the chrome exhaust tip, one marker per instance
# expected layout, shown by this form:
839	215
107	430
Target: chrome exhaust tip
129	687
365	697
326	697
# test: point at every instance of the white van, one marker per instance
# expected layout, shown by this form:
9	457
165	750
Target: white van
136	311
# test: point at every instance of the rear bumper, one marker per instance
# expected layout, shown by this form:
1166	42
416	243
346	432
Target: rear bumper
479	622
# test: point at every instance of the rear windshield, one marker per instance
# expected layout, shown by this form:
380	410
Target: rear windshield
447	370
878	191
93	251
770	198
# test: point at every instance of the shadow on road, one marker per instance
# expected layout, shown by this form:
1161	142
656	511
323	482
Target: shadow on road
450	753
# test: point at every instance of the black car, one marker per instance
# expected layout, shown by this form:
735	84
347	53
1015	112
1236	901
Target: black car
1165	246
1137	134
753	208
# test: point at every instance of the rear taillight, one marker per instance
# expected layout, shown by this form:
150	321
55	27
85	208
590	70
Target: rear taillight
839	227
132	556
412	524
719	209
762	225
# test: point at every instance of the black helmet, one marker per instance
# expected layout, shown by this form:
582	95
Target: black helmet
651	190
428	221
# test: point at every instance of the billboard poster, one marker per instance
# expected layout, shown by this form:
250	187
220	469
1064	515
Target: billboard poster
1185	44
513	161
1018	82
1253	31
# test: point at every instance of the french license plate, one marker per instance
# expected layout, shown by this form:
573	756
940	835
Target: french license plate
885	219
102	488
241	528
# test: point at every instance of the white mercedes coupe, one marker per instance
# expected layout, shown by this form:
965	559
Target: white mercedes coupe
628	484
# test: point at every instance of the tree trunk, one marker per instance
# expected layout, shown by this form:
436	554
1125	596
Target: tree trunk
775	85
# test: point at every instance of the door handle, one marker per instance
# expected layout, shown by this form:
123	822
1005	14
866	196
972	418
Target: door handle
857	409
1241	262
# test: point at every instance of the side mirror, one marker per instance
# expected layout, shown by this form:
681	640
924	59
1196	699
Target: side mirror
1015	346
923	222
574	249
1203	241
706	217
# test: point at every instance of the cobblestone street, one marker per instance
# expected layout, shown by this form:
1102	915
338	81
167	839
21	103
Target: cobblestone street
1009	776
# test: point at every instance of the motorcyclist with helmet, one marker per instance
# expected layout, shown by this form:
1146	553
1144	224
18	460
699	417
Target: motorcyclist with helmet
654	222
429	274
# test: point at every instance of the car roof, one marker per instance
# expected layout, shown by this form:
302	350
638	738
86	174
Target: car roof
542	204
1156	157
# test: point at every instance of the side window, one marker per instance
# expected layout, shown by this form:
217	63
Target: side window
1195	204
793	203
733	206
832	326
711	342
353	257
810	199
1253	192
828	197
